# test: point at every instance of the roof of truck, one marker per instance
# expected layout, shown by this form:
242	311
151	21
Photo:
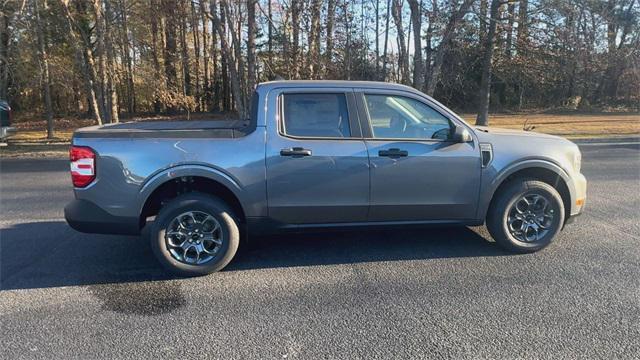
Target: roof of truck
335	83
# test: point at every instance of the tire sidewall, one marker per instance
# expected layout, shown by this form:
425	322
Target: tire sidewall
509	198
195	202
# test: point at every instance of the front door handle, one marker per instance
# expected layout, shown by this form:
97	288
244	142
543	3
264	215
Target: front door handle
393	153
295	152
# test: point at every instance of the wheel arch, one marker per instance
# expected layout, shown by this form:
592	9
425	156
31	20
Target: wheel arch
189	178
541	170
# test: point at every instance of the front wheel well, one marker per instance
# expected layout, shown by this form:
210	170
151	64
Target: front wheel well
185	184
542	174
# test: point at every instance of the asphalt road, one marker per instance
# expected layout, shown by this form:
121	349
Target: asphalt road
405	294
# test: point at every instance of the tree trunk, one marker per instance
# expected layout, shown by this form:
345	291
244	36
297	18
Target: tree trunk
184	52
523	31
487	61
129	76
169	10
386	42
154	53
40	26
196	50
111	71
447	35
314	40
377	7
251	45
227	54
483	21
4	51
418	67
331	14
206	84
84	57
348	45
509	42
295	45
403	58
429	43
100	57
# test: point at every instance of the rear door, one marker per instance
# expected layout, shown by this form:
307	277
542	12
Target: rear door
417	172
317	162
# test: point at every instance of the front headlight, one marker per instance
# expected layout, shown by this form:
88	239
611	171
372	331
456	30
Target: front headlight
577	160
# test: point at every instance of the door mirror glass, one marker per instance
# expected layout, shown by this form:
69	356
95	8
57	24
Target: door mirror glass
461	134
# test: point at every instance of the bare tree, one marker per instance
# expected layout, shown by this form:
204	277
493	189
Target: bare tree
80	40
110	64
386	42
45	78
126	53
447	35
313	57
487	62
331	14
296	6
169	10
402	49
155	56
100	58
226	53
251	44
418	67
5	13
184	51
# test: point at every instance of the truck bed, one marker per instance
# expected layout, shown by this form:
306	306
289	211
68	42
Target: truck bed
225	128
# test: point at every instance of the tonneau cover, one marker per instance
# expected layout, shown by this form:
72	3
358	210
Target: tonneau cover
163	129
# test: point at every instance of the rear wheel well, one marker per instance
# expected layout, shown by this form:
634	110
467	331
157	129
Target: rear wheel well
185	184
541	174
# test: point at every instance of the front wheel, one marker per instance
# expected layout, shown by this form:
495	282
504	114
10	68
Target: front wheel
195	234
526	215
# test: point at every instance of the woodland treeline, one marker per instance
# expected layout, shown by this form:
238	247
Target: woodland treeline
106	59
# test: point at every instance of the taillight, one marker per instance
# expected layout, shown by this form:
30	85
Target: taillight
83	165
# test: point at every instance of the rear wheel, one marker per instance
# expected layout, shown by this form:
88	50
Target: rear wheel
195	234
526	216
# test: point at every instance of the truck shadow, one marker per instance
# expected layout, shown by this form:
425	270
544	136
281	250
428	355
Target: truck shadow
51	254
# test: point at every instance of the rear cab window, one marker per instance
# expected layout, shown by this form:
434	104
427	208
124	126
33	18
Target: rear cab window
315	115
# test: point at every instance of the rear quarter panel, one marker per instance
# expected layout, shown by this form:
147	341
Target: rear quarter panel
129	169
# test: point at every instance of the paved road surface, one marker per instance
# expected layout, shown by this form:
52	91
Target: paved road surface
406	294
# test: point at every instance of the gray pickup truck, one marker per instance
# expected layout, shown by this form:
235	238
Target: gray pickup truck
319	154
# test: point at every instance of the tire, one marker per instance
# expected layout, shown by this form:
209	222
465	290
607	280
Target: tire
502	213
168	229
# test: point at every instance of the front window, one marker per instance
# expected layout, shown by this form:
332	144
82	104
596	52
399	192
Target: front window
315	115
399	117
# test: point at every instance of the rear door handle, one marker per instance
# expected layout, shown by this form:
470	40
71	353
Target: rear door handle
295	152
393	153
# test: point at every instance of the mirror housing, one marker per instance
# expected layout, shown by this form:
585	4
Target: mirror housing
461	135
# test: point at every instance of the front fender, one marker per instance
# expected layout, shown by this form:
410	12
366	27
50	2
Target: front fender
493	182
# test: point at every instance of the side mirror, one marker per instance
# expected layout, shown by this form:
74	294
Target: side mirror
461	135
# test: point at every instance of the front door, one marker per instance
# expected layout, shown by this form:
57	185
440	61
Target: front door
417	172
317	163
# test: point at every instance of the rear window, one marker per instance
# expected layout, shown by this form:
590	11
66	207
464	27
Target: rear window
315	115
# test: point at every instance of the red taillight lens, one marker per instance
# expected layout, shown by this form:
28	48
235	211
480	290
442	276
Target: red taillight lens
83	165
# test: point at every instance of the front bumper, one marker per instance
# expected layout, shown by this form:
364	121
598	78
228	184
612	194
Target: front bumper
579	198
87	217
580	194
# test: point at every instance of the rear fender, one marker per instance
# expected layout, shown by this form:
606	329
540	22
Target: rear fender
179	171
